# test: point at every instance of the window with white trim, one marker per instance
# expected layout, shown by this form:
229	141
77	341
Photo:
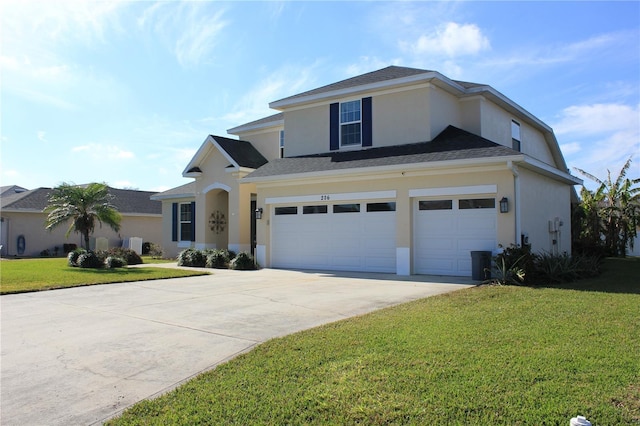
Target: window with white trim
515	135
350	123
281	143
186	216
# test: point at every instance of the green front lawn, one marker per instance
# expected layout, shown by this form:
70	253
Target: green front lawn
486	355
24	275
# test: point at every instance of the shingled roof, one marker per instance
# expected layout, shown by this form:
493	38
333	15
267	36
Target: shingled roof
388	73
127	201
242	152
451	144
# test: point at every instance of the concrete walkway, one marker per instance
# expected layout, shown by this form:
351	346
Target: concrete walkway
79	356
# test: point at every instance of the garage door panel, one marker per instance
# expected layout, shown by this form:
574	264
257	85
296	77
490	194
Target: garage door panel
357	241
444	239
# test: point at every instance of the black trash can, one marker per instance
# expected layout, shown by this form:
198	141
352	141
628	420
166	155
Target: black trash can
480	265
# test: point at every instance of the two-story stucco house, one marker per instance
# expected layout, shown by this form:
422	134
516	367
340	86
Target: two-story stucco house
400	170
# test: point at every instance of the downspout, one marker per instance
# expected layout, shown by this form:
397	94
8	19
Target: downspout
516	201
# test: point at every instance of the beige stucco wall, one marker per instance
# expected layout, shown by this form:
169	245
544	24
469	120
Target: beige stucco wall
445	110
266	141
37	238
401	117
307	130
542	200
402	183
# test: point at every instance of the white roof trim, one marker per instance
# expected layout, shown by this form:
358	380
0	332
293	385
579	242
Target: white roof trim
403	81
160	197
201	153
260	126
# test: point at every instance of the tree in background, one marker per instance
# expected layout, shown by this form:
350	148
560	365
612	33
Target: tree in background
609	216
84	206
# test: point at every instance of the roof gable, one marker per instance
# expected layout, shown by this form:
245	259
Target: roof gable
238	153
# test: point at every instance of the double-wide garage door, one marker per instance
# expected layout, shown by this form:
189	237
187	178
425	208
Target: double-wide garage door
446	230
350	236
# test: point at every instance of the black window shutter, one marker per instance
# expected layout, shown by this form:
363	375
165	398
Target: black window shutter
174	222
367	129
193	221
334	126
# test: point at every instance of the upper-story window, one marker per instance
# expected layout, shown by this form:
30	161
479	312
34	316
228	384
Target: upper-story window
281	143
515	135
350	123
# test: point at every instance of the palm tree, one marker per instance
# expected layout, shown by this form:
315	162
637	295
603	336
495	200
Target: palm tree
618	210
84	206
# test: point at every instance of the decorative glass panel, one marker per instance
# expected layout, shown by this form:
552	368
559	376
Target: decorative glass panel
286	210
477	203
381	207
435	205
346	208
314	209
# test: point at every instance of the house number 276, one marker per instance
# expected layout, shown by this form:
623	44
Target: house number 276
324	198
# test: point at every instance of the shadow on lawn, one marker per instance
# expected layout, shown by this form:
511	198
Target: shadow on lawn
618	276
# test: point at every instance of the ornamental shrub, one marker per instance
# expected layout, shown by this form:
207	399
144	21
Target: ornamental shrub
130	256
72	257
115	262
218	259
192	257
90	260
243	262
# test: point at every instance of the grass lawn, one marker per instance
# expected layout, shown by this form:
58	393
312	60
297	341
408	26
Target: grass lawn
485	355
24	275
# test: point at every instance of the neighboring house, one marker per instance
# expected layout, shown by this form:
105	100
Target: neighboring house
23	221
400	170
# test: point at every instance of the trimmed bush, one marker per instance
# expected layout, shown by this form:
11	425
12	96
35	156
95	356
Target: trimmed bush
129	256
90	260
243	262
115	262
218	259
192	257
72	257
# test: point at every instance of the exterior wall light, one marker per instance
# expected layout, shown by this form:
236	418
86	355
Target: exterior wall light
504	205
259	213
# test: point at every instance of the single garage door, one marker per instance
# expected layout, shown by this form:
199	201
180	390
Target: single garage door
345	236
446	231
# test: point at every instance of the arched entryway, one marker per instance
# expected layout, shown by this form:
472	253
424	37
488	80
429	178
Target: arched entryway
216	216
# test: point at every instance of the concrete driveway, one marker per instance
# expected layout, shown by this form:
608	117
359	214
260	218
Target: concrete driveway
79	356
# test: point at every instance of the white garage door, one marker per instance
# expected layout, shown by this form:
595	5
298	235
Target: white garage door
347	236
447	230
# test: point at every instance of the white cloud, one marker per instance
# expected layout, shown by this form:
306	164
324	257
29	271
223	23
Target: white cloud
284	81
598	118
570	148
42	136
603	137
100	151
190	30
451	40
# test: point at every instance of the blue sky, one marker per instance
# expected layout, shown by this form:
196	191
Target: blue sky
125	92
